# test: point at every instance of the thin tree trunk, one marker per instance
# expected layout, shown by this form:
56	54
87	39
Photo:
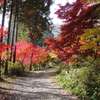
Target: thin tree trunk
3	17
13	39
8	39
17	11
30	65
13	34
2	24
9	27
14	58
15	31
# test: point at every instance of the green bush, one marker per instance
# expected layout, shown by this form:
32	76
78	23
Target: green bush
84	81
45	65
15	68
62	68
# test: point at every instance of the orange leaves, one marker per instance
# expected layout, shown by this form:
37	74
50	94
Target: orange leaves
6	55
49	40
2	48
42	56
26	25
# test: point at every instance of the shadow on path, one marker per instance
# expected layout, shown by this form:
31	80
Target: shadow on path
38	85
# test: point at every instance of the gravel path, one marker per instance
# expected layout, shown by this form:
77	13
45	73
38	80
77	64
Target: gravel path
38	86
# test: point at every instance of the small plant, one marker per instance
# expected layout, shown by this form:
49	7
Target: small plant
63	68
15	68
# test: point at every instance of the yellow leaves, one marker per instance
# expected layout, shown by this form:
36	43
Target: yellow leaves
6	55
97	39
89	45
90	39
52	55
90	33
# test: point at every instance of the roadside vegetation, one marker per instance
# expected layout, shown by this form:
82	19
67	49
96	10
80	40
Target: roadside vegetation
81	79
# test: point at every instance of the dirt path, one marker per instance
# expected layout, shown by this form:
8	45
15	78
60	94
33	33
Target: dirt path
38	86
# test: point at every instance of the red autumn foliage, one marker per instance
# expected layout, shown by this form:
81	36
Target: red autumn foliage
41	57
77	18
3	32
23	50
3	46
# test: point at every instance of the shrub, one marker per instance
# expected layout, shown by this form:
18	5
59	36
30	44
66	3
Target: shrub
62	68
15	68
84	81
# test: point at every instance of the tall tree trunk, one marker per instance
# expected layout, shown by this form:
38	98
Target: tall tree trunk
3	17
14	57
8	39
17	11
2	24
15	31
10	19
13	38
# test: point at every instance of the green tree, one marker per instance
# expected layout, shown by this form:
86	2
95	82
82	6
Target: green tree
35	15
23	33
46	35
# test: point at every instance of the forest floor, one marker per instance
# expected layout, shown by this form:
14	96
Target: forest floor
39	85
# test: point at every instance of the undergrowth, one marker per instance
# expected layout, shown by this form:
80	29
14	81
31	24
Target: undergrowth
82	80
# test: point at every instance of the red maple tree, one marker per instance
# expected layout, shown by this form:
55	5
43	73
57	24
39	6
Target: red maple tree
77	18
24	49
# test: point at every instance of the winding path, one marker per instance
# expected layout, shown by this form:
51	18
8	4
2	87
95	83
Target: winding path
38	85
